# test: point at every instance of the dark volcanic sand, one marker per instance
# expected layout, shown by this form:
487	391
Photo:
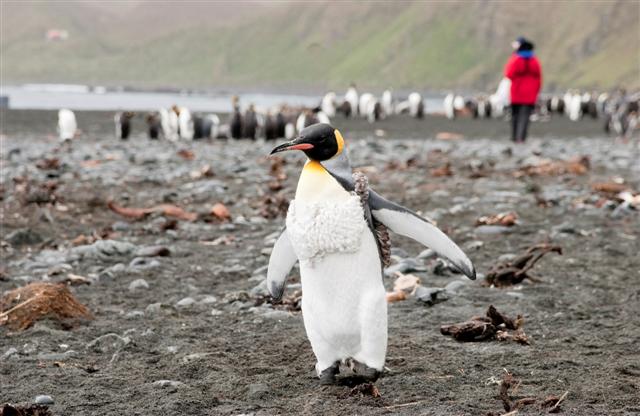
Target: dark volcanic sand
582	317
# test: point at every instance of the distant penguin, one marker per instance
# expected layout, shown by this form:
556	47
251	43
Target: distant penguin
556	105
122	120
449	111
567	98
289	131
67	125
322	117
169	122
501	99
589	106
416	105
305	119
214	132
387	102
281	124
328	104
471	106
199	127
205	127
154	126
185	124
601	103
235	124
363	103
345	108
250	123
331	230
373	111
270	127
575	107
351	97
484	107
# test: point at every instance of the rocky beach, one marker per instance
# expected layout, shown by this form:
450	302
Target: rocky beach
166	246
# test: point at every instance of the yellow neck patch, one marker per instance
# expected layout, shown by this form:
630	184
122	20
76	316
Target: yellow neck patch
340	142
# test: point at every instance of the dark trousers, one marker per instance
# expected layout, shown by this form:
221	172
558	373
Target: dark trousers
520	114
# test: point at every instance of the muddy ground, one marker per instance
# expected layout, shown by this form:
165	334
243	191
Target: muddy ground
219	354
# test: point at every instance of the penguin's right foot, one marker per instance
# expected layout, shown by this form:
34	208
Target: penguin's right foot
328	376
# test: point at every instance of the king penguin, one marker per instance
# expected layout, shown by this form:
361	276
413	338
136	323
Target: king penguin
330	231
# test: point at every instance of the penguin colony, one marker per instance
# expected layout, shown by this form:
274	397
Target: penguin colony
331	231
618	110
178	123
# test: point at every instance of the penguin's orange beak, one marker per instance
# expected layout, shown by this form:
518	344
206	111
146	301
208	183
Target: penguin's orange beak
295	144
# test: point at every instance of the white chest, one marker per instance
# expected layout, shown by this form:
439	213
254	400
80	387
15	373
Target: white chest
324	218
320	228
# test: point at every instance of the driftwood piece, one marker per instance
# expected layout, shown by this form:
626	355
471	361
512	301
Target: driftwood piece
470	331
578	165
509	385
514	271
167	210
498	318
494	325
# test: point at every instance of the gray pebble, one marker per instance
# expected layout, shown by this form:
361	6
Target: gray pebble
120	226
143	263
430	295
138	284
405	266
453	287
10	352
517	295
207	300
44	399
153	251
108	342
258	391
153	308
235	269
506	257
57	356
261	270
185	302
492	229
257	278
194	357
134	315
168	383
277	315
474	245
260	290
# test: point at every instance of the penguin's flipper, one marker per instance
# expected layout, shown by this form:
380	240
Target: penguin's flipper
405	222
280	263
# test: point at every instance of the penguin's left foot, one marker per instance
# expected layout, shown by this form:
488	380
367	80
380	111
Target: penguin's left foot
361	374
366	374
328	376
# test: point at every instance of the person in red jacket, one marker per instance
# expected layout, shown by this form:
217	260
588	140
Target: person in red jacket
523	69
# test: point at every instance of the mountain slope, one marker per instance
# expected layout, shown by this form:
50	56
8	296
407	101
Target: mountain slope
318	45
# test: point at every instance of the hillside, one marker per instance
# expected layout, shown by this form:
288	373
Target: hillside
318	45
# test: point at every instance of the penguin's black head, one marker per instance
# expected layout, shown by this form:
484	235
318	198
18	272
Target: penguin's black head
319	142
